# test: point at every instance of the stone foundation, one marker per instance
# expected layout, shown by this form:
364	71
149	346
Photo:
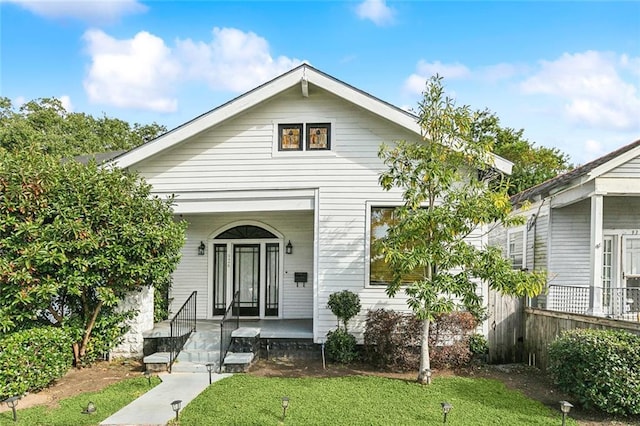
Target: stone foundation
132	345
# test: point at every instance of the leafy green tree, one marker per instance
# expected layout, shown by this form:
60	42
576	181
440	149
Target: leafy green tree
436	233
532	164
45	125
75	239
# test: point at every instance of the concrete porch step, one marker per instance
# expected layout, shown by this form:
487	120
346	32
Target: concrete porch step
199	356
157	358
246	332
238	362
193	367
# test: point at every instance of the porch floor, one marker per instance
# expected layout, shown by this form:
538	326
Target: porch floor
269	328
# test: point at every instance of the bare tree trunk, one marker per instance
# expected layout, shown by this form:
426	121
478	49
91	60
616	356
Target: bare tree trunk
424	375
80	351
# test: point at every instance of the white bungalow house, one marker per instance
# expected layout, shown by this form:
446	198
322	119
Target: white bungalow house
279	187
583	228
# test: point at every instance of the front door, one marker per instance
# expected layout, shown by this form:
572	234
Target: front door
246	277
246	260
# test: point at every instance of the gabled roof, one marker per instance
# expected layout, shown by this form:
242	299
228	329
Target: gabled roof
582	174
301	75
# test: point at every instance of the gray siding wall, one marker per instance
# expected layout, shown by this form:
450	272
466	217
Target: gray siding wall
570	235
621	212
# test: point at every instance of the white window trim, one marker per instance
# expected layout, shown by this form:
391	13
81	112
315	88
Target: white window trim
617	234
331	152
515	230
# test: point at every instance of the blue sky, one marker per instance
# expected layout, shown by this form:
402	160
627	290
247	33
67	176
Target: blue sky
566	72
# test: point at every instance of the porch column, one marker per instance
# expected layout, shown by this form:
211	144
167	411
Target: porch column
595	270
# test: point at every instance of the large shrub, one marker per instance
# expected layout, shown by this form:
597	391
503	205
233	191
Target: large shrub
392	339
600	367
31	359
75	240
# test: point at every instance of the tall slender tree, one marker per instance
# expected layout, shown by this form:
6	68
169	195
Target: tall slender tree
451	192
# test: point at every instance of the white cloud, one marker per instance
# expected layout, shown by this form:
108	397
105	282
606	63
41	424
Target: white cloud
65	100
377	11
134	73
592	87
143	72
233	60
100	11
457	71
424	70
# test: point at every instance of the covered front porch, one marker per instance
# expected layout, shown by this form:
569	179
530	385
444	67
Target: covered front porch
594	255
258	245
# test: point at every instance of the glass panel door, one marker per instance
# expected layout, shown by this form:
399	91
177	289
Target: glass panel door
631	272
272	284
246	277
219	279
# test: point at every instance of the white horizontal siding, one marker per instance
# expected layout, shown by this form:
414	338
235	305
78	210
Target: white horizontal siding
630	169
239	155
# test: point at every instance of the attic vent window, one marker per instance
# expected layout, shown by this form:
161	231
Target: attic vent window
304	137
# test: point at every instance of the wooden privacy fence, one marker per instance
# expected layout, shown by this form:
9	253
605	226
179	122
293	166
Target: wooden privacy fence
506	329
522	334
543	327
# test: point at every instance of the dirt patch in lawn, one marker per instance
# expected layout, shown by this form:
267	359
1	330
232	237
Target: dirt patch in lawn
530	381
77	381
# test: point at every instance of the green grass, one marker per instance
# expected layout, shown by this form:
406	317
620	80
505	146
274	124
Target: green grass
361	400
69	413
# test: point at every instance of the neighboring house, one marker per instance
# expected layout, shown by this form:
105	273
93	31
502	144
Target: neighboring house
280	191
583	228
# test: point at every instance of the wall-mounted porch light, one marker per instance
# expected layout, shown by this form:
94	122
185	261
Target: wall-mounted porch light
289	248
201	248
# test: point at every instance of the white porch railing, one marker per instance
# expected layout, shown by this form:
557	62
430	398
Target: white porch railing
617	303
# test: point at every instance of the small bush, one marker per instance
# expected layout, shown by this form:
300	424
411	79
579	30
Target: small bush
341	346
478	344
32	359
344	305
600	367
392	340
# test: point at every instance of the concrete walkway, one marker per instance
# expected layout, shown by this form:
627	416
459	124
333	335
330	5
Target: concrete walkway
154	407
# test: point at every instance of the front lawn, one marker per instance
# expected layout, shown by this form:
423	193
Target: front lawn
363	400
107	401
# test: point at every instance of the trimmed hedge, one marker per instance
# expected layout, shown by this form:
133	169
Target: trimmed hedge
31	359
600	367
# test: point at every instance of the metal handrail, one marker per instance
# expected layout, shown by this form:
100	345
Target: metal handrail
182	324
227	326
